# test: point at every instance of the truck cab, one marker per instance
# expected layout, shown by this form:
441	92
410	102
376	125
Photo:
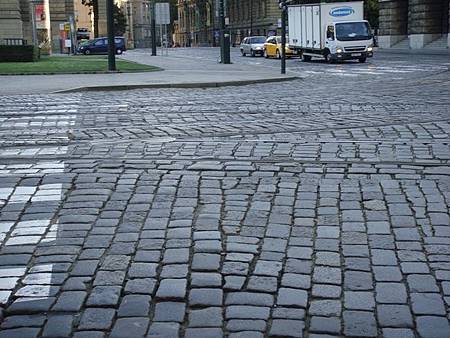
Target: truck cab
347	40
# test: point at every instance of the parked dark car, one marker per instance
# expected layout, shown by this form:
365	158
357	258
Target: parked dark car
100	46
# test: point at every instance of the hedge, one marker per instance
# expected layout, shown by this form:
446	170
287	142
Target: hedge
28	53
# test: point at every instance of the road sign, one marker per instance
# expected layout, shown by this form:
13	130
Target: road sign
162	13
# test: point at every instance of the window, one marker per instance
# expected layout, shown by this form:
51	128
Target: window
99	43
330	32
351	31
259	39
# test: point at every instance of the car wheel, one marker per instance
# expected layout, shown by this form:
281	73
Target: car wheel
362	60
278	54
306	58
119	51
242	52
252	53
265	54
87	52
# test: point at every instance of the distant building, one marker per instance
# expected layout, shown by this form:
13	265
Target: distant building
138	13
84	20
198	24
252	17
50	16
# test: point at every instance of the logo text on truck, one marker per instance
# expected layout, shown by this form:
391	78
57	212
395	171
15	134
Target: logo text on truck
341	11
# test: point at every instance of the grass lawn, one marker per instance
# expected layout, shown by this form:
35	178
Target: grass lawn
71	65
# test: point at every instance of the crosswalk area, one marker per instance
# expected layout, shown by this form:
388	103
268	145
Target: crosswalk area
397	66
351	69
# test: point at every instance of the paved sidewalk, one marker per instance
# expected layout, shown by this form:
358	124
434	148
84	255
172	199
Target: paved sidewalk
178	72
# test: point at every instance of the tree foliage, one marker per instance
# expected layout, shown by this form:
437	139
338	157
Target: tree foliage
120	21
93	5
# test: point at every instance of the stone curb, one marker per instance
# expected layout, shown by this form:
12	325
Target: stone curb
176	85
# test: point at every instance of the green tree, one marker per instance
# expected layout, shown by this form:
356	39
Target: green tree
371	12
93	5
120	21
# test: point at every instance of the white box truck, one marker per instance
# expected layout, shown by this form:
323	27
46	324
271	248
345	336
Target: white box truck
334	31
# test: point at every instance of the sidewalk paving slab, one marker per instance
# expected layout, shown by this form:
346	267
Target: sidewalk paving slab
179	72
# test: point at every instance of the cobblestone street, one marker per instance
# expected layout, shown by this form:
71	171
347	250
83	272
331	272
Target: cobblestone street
312	208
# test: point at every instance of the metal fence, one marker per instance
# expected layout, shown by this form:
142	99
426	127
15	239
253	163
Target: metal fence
14	42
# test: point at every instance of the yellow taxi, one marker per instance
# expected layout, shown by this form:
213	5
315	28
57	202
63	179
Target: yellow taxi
272	48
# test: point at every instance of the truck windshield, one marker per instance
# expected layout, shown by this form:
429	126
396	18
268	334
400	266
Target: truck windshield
350	31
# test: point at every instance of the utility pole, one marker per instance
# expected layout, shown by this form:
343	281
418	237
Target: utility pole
153	28
187	23
224	36
251	17
111	43
283	7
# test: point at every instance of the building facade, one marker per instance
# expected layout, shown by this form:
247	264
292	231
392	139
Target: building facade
84	18
16	18
139	16
198	24
414	23
253	17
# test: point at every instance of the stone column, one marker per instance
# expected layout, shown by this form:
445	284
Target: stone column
393	22
10	20
425	22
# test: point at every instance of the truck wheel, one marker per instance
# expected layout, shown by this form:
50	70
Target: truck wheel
306	58
362	60
328	58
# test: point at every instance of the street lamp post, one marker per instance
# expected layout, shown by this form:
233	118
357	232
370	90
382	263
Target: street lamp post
251	17
153	28
187	24
283	7
224	36
110	28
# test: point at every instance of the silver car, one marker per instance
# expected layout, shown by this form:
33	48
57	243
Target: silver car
253	45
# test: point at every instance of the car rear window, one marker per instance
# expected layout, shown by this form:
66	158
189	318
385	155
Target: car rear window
258	40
